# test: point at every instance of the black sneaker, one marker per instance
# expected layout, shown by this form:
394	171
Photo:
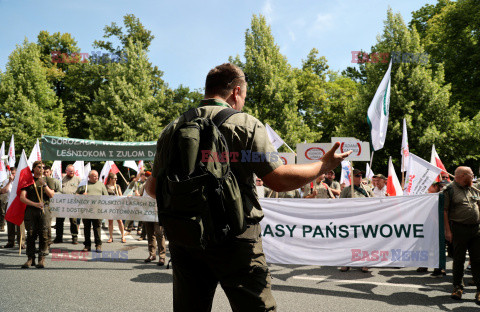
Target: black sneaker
438	273
58	240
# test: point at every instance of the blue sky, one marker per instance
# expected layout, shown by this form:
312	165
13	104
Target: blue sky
191	37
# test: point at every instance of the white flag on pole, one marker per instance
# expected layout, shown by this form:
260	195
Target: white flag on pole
346	172
79	168
131	164
11	153
394	188
86	170
368	172
34	155
3	168
420	175
141	167
57	171
377	115
405	148
274	137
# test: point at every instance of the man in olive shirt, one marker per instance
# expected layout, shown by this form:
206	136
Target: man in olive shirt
359	189
334	186
319	190
239	265
461	217
70	184
37	215
93	187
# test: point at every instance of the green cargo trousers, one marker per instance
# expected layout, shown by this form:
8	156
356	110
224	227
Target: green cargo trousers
466	237
37	223
238	265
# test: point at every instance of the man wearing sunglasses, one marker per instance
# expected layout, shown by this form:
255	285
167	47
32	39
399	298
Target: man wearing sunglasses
359	189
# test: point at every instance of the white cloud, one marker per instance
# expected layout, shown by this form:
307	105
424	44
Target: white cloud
322	22
292	35
267	10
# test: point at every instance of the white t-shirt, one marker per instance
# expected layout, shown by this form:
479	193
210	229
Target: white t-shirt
380	193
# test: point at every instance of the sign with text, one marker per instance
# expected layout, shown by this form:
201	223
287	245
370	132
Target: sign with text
360	150
287	158
139	208
58	148
311	152
397	231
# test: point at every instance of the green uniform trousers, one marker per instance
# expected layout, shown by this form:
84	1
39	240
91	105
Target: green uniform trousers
37	223
466	237
238	265
155	239
59	227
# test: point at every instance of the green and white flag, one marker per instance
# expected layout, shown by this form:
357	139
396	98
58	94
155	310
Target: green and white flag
377	116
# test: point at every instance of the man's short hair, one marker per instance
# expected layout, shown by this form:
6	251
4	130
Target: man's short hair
222	79
36	163
47	168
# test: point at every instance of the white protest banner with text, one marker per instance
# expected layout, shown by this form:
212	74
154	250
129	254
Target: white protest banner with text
400	231
139	208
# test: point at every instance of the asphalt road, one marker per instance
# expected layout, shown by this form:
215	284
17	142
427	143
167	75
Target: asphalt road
121	281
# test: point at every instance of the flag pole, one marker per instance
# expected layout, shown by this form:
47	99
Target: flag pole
123	177
21	238
371	160
351	178
290	148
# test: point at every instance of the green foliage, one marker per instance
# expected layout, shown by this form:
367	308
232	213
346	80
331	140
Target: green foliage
272	94
125	108
135	31
28	106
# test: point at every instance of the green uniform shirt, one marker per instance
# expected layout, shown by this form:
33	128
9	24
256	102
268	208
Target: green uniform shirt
97	188
462	204
54	184
347	192
244	134
322	191
32	194
333	185
269	193
70	185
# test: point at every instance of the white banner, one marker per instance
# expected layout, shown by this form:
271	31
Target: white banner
401	231
420	175
360	150
139	208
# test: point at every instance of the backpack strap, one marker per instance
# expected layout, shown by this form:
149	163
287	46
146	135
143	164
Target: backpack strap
190	114
223	115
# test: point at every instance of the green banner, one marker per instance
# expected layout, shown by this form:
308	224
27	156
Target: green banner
58	148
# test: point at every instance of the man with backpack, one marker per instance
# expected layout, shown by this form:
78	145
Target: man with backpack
203	180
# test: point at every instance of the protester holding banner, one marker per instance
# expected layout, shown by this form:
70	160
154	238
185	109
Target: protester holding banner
12	229
70	184
380	189
359	189
462	227
318	189
37	215
334	186
114	189
93	187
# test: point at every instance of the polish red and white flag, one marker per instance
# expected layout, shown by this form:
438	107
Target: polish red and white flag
15	208
394	188
435	160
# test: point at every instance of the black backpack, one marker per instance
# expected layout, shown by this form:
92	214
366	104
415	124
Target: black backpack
198	198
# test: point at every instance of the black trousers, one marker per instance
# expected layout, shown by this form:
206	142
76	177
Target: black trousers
87	224
59	227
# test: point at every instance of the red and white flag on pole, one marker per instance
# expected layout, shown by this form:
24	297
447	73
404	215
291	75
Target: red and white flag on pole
393	185
405	147
107	168
11	153
79	168
15	208
3	168
35	155
141	167
435	160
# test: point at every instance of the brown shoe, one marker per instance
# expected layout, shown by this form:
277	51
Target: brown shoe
161	262
87	248
41	262
150	259
344	269
98	248
457	293
29	263
9	245
74	240
477	298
